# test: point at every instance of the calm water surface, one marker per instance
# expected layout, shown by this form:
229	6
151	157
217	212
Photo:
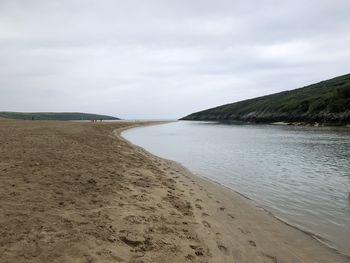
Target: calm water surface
300	174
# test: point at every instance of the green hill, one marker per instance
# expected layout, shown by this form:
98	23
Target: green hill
59	116
324	102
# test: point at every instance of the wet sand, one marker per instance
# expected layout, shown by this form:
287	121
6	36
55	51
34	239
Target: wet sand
78	192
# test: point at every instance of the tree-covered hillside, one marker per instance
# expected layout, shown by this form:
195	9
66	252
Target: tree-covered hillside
323	102
61	116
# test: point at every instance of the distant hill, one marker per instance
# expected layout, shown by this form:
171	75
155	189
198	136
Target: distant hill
324	102
59	116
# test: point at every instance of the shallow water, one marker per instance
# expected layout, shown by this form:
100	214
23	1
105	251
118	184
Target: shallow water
300	174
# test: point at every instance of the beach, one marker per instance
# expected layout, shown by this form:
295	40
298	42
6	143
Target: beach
79	192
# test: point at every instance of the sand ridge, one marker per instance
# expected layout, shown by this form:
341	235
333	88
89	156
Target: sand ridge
78	192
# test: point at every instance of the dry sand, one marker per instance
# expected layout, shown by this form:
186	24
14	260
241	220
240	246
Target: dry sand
77	192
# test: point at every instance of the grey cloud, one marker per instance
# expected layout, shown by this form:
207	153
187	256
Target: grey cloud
164	59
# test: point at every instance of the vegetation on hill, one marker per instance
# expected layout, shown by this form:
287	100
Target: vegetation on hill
324	102
61	116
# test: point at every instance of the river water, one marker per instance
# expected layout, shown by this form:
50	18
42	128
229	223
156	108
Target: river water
300	174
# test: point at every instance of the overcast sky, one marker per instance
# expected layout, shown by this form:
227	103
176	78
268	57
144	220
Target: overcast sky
164	58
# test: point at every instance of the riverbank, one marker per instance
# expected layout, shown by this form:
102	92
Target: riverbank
78	192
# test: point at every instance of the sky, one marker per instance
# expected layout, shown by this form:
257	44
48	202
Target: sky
155	59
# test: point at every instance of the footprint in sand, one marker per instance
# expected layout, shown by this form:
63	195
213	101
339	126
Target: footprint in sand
205	215
231	216
199	251
222	247
243	231
272	258
252	243
198	206
206	224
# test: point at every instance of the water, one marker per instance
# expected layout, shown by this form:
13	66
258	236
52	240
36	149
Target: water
300	174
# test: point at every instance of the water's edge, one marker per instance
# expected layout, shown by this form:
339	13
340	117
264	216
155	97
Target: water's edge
315	236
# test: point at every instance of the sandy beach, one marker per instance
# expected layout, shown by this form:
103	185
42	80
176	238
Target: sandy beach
79	192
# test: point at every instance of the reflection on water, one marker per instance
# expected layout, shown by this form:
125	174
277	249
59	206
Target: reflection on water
301	174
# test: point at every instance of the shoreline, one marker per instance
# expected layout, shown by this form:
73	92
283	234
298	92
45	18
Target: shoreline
277	123
75	192
315	236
